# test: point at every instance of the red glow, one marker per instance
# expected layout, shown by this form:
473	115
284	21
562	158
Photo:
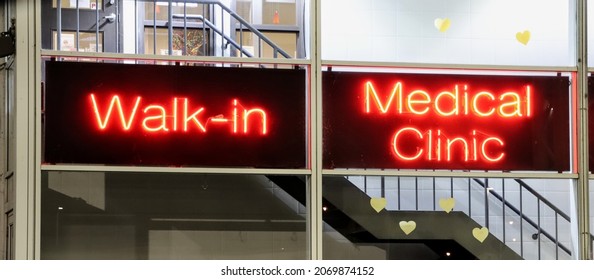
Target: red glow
396	147
482	147
438	146
483	104
157	118
115	101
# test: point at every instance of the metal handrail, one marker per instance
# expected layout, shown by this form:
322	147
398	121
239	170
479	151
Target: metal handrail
548	203
243	23
506	203
526	218
543	199
216	30
248	25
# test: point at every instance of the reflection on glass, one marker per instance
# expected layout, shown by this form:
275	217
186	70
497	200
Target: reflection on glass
115	215
82	4
87	41
161	10
194	45
279	12
243	8
284	40
381	217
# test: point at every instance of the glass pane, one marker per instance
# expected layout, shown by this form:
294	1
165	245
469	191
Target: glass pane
284	40
374	217
161	10
114	215
525	32
244	9
195	41
87	41
279	12
82	4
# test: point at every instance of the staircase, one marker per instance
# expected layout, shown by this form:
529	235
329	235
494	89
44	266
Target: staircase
522	224
226	37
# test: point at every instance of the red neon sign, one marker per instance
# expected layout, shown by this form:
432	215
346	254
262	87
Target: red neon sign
440	147
445	104
158	117
482	104
427	121
174	115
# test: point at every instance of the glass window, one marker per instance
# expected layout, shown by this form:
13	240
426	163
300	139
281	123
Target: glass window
373	217
525	32
285	40
195	41
244	9
86	43
161	10
82	4
279	12
114	215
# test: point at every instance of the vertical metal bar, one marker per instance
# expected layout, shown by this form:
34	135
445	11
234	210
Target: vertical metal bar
487	202
241	39
399	200
434	194
136	26
316	222
185	50
503	207
452	187
59	25
521	222
365	184
204	41
77	26
170	28
259	47
383	185
538	223
117	23
155	27
469	198
556	236
222	33
97	25
417	193
583	168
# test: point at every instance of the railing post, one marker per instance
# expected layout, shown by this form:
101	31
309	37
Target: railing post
486	202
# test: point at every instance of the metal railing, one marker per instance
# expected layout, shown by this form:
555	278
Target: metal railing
537	225
218	22
531	224
229	40
244	24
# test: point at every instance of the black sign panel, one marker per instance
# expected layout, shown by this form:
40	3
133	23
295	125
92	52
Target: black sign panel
435	121
158	115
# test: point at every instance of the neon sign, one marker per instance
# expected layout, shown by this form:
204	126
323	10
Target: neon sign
427	121
174	115
157	119
481	104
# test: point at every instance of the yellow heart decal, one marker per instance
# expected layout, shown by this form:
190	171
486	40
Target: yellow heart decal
447	204
442	24
378	203
408	227
480	233
523	37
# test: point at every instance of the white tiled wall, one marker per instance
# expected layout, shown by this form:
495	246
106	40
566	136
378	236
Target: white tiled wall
481	31
404	194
